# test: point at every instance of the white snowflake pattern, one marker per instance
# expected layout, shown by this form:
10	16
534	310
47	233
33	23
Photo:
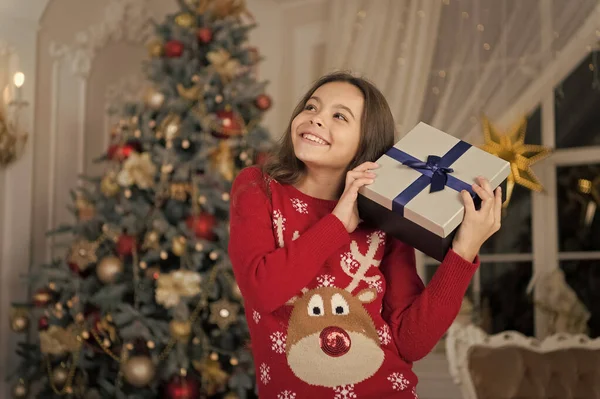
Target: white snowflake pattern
381	235
278	342
414	392
399	383
286	395
296	235
300	206
352	263
376	284
326	280
344	392
384	335
256	316
265	373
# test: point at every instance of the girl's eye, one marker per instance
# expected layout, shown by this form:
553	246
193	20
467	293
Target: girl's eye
310	107
340	116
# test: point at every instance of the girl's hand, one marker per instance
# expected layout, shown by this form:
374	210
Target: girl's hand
478	226
346	209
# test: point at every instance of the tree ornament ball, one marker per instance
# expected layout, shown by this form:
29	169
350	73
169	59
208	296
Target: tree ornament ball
19	323
202	225
204	35
20	390
155	49
139	371
173	49
178	245
229	124
182	387
263	102
43	323
109	186
109	269
43	297
185	20
125	245
122	152
60	375
180	330
154	99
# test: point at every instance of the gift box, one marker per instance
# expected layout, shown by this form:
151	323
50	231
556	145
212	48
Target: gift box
416	194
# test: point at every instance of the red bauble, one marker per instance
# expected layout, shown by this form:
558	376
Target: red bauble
229	124
202	225
74	268
43	323
180	387
122	152
204	35
173	48
125	245
263	102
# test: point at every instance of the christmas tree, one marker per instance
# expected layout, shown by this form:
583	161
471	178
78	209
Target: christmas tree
143	304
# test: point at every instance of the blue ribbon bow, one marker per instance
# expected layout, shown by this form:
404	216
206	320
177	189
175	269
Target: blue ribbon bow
435	172
439	176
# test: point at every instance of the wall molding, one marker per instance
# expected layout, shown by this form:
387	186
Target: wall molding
123	21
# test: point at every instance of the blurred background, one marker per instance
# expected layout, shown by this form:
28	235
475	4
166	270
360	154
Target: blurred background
455	64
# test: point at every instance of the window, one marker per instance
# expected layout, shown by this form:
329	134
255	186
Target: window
559	228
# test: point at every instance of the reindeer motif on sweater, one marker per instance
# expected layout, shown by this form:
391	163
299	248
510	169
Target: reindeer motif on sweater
330	329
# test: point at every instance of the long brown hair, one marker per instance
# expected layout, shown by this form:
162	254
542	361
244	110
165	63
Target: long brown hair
376	131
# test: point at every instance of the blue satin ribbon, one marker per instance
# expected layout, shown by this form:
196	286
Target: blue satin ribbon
435	173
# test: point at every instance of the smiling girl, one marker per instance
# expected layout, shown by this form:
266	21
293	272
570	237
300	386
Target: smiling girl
336	308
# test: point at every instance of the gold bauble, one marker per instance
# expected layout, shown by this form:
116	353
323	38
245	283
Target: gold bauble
19	320
109	186
139	371
154	98
155	49
185	20
179	245
20	390
59	376
108	269
19	324
180	330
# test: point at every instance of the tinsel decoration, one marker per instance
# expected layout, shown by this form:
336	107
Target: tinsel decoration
222	161
83	254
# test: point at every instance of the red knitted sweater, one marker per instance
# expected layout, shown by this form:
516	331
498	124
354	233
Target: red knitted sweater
331	314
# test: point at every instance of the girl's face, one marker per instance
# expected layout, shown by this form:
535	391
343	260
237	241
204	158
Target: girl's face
326	133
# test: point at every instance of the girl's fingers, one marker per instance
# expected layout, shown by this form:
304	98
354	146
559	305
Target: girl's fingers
468	202
485	184
485	197
366	166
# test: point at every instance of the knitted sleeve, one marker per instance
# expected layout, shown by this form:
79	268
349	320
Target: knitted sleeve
269	276
419	316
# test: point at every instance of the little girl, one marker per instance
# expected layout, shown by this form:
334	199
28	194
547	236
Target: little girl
336	309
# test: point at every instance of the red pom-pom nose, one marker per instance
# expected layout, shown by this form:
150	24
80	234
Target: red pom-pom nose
334	341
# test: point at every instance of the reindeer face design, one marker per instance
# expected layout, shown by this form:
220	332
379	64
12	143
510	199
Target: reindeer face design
332	340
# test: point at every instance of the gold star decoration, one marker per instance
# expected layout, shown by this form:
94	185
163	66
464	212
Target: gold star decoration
223	313
512	148
83	253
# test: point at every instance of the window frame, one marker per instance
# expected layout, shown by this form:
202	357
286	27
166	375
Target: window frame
545	256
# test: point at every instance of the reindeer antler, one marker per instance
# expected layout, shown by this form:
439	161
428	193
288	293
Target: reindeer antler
365	261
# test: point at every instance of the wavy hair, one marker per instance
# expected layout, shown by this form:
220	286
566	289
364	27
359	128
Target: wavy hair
377	131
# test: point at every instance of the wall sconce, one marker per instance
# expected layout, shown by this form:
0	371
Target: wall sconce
12	139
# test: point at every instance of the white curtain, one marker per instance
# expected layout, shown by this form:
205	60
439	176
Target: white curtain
445	62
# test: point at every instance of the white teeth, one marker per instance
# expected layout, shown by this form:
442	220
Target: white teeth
314	138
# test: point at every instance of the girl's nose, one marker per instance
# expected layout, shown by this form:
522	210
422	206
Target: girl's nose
316	123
